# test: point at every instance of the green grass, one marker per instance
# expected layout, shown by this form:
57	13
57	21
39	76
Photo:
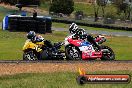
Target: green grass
54	80
89	9
11	44
121	46
45	6
86	8
60	25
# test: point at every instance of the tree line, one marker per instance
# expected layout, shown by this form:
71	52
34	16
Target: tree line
124	7
26	2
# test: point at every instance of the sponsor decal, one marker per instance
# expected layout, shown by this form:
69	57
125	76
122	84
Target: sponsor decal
84	78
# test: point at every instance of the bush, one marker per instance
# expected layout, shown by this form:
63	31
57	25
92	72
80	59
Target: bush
109	18
62	6
79	15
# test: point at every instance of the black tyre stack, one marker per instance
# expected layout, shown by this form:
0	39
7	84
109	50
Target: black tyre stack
13	22
26	24
48	25
41	25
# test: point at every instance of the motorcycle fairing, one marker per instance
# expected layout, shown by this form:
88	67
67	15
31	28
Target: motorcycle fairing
91	55
75	42
85	46
29	45
88	51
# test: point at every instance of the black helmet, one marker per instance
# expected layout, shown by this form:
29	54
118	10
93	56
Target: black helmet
31	34
81	33
73	28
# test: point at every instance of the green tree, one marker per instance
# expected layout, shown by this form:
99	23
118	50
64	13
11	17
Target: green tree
99	4
123	7
102	4
62	6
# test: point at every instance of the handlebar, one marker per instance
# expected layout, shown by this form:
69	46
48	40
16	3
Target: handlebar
100	39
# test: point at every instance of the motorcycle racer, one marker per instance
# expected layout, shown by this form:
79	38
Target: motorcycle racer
34	38
37	48
38	38
80	33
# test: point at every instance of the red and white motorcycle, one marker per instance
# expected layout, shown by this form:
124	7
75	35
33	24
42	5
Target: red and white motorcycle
76	49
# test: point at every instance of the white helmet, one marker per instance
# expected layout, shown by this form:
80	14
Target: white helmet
73	28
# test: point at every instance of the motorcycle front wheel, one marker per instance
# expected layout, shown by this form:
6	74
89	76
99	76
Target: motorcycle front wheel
72	53
108	53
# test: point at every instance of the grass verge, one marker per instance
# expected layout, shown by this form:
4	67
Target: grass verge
55	80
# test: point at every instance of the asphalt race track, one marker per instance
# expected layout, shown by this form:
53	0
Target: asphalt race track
111	33
123	33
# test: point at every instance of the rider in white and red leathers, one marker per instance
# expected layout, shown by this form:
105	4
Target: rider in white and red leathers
80	33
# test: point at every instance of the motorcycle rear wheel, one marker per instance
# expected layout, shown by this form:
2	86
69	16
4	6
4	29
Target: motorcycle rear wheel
107	55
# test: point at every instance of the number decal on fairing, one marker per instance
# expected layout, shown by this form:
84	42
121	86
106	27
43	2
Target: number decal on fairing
89	47
85	48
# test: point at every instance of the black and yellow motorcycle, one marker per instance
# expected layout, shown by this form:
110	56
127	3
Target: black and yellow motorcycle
42	50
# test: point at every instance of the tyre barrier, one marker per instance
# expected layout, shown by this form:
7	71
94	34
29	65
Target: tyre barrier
25	24
97	25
